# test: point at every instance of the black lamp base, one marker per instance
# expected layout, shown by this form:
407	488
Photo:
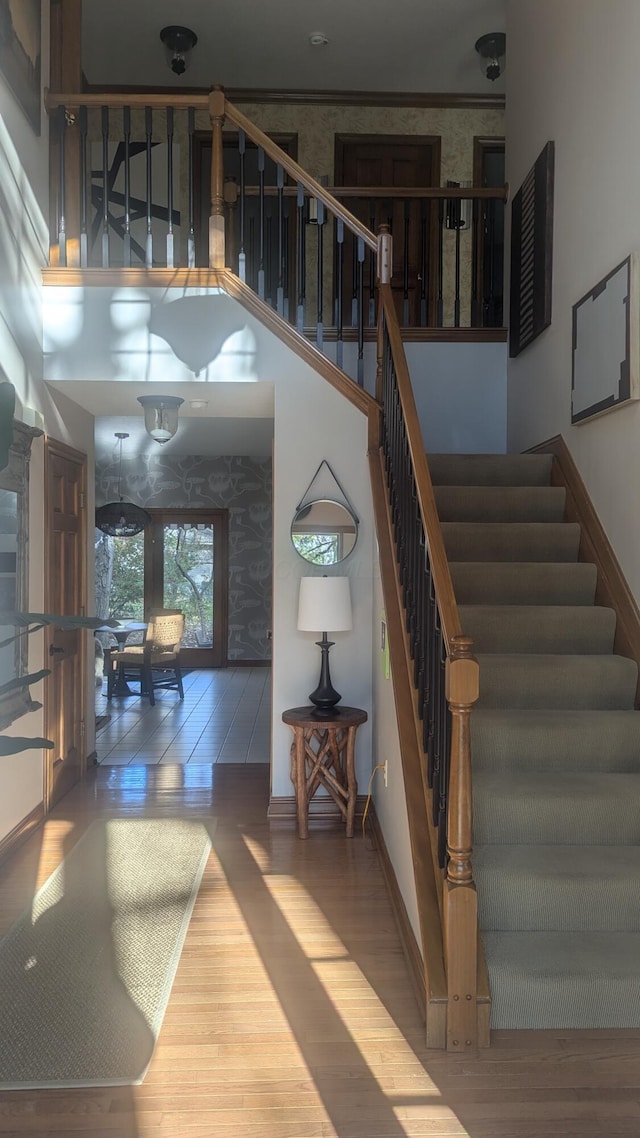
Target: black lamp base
325	697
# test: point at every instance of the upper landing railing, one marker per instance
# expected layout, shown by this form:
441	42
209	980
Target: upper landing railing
185	181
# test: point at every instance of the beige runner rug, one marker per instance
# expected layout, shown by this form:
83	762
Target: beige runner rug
86	973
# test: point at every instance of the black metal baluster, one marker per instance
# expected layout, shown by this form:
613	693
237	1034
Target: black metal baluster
242	258
148	124
405	264
191	238
440	263
170	240
301	258
372	268
456	303
105	188
491	241
84	239
423	263
268	258
444	756
261	224
286	274
354	283
62	201
280	288
320	317
339	291
476	261
360	295
126	127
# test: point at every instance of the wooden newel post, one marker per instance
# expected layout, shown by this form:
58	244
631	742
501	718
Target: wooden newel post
216	217
460	900
384	254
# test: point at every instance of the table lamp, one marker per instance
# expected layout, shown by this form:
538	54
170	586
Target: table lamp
324	606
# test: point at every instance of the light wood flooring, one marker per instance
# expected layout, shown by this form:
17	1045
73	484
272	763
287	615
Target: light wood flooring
291	1015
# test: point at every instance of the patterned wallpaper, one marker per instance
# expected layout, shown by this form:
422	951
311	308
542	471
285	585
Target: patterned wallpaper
241	485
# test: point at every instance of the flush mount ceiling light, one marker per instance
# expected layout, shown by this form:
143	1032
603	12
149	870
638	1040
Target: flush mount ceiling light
161	415
318	39
491	49
179	42
121	519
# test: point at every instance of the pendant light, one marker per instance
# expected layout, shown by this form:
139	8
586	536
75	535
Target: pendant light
161	415
121	519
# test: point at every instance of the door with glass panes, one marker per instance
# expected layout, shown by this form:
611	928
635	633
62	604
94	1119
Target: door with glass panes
185	568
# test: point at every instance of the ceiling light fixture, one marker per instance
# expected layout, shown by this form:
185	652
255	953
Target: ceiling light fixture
161	415
318	39
179	42
121	519
491	49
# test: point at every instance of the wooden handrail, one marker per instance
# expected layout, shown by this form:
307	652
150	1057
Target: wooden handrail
445	596
429	193
74	99
299	175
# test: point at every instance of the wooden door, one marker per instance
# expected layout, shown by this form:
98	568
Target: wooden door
65	688
397	162
186	568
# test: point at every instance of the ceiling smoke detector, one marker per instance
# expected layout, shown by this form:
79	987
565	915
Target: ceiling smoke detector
318	39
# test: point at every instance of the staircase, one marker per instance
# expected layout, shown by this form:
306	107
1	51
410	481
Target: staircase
556	751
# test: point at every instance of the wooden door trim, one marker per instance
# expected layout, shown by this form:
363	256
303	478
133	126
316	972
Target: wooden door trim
220	516
53	448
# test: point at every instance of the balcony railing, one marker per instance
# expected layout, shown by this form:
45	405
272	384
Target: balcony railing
188	181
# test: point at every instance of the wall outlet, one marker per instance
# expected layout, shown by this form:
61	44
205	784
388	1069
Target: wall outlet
385	771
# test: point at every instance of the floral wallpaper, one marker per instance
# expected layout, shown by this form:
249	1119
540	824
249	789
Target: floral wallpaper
243	487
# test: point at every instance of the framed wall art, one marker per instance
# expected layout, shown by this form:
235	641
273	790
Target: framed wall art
606	343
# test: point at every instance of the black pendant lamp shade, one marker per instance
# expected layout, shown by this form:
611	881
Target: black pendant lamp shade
121	519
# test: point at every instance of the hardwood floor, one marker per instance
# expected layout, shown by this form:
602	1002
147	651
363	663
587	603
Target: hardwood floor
291	1015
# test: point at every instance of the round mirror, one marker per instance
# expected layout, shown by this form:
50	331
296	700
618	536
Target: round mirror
324	532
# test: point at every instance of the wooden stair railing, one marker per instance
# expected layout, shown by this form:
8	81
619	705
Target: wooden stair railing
435	674
444	681
122	160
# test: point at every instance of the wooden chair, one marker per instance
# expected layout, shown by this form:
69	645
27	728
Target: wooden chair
152	660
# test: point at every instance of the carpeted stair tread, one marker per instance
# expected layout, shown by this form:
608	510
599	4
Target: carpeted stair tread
558	887
490	469
565	980
523	583
567	809
515	680
544	740
500	503
511	541
539	628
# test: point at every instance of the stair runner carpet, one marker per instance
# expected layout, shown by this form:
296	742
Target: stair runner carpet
556	752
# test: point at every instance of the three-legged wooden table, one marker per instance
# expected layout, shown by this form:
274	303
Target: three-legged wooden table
323	754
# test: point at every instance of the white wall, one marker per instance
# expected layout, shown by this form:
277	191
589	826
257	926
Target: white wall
461	396
573	77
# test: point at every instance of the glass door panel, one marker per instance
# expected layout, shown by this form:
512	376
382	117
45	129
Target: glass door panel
188	579
186	569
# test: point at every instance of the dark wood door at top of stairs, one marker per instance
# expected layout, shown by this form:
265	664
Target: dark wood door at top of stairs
556	752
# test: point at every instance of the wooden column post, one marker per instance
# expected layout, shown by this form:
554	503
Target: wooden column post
66	75
460	900
216	217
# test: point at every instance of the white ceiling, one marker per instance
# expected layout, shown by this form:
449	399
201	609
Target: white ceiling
237	419
410	45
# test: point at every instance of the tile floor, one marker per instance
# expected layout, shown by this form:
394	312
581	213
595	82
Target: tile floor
225	717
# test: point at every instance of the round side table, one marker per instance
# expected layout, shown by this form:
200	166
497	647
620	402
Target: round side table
323	754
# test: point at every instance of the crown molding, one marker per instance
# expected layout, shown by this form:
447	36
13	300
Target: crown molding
437	99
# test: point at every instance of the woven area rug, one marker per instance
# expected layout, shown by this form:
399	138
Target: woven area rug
86	973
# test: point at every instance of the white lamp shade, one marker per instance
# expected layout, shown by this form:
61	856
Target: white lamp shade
324	604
